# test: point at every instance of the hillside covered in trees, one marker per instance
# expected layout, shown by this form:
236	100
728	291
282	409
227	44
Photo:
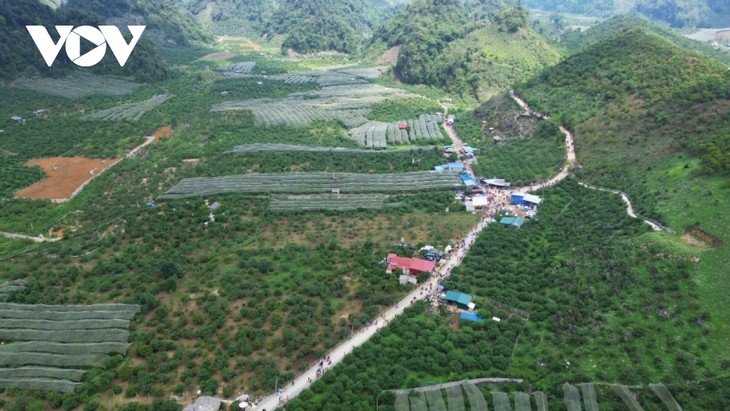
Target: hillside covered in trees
165	24
575	41
677	13
474	48
306	26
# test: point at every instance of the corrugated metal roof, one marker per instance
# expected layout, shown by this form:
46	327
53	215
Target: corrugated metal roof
457	297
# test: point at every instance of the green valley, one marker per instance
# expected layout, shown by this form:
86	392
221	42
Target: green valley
364	204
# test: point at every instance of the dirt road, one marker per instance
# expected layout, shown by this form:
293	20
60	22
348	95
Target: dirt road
38	239
304	380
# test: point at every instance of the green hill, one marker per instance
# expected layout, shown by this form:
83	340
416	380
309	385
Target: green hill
650	119
575	41
165	21
448	44
677	13
20	55
306	25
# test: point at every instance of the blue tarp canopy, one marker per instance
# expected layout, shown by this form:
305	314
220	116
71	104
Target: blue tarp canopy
471	317
468	180
515	221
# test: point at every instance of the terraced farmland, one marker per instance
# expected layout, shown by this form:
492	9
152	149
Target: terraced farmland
53	345
129	111
315	202
306	183
78	84
239	68
345	103
291	148
379	134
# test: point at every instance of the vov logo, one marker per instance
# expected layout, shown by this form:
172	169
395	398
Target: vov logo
71	37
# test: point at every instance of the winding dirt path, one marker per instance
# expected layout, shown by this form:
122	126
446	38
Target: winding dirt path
39	239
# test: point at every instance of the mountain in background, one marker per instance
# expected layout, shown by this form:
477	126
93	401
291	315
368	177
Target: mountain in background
575	41
20	54
476	48
306	25
634	100
677	13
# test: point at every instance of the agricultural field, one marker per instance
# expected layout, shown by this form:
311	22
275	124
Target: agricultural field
53	346
8	287
128	111
314	183
77	85
328	202
376	134
64	175
292	148
238	68
346	103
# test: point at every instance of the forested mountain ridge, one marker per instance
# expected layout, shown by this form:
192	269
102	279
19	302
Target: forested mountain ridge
575	41
165	21
474	48
20	54
308	26
677	13
633	100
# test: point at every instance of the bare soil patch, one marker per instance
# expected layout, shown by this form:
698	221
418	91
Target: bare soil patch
702	235
251	45
390	57
64	176
219	55
692	241
163	133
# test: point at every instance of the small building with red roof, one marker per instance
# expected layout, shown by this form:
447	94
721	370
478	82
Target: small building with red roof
410	266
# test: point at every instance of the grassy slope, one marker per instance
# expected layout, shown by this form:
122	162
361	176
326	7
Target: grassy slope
633	104
504	58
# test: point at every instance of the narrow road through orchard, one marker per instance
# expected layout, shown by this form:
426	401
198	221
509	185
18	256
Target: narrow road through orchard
303	381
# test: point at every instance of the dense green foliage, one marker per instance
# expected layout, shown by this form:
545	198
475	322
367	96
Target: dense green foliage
412	351
576	41
19	51
423	30
165	21
402	109
524	161
264	18
443	44
320	33
644	92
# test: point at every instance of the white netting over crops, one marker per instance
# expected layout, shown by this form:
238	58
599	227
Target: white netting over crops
51	346
78	84
316	182
129	111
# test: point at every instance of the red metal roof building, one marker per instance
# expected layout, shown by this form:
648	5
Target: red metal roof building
410	266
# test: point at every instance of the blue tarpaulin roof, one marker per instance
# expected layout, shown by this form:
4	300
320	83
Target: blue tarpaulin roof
471	317
515	221
457	297
468	179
